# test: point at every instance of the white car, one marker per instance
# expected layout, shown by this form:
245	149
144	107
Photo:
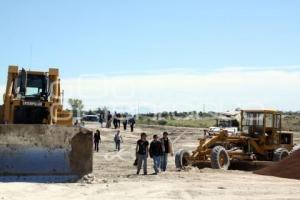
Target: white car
231	130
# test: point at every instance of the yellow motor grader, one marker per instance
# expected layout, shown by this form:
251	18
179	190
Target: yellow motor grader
36	133
260	138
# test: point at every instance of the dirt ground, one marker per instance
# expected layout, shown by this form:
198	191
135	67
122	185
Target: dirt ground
114	176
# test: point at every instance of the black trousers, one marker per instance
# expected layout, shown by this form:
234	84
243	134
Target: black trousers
131	127
96	145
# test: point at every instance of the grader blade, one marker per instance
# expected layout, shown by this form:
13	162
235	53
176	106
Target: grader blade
29	150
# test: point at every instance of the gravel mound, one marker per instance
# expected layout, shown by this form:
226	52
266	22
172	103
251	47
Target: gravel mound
287	168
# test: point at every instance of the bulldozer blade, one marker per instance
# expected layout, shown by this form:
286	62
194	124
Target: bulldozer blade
45	150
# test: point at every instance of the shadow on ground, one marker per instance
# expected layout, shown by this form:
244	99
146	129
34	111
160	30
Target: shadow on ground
39	179
239	165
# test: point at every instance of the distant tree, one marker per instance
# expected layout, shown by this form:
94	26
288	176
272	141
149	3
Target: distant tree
164	114
175	113
184	114
101	111
77	106
194	114
200	114
91	112
172	116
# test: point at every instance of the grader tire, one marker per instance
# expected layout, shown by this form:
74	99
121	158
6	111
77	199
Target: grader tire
280	154
219	158
180	158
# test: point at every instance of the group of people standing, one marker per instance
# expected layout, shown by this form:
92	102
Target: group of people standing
116	121
159	150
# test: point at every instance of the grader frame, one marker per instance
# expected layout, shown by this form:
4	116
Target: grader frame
261	138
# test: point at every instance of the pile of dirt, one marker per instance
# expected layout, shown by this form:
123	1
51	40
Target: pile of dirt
287	168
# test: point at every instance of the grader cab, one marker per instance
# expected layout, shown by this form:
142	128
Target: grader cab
261	138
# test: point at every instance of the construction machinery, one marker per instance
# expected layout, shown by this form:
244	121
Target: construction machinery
36	133
260	138
229	123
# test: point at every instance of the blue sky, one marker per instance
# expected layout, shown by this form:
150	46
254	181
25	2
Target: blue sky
117	37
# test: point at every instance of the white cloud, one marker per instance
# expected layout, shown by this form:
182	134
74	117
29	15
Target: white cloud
219	91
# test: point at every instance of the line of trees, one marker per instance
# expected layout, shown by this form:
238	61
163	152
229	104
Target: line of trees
176	114
77	107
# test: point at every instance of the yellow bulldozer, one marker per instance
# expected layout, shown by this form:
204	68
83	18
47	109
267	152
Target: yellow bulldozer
260	139
36	133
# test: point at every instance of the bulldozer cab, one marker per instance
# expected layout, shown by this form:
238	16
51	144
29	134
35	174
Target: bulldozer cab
32	86
33	97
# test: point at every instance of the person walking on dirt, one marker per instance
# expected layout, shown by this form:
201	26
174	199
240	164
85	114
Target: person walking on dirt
132	123
101	120
115	120
109	119
118	139
156	153
167	149
118	120
142	151
97	139
125	121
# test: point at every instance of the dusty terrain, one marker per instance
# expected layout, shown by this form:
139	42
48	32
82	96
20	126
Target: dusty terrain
114	177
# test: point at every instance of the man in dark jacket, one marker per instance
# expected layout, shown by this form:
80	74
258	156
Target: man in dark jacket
118	120
155	153
132	123
167	148
101	120
97	139
115	120
125	123
109	119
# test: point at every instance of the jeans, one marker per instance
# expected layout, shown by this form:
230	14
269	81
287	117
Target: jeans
164	162
142	159
118	145
156	163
